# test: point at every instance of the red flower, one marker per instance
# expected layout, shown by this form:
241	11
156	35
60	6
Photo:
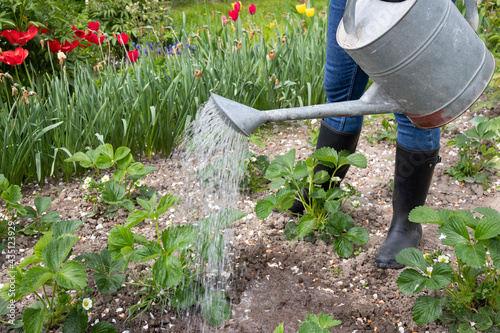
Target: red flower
252	9
94	26
78	33
233	14
14	57
133	55
92	37
54	46
20	37
122	39
237	6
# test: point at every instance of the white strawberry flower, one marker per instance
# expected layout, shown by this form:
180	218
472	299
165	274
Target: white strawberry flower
87	303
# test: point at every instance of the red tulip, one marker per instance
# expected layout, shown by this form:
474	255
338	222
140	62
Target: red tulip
122	38
54	46
20	37
237	6
133	55
14	58
78	33
92	37
94	26
233	14
252	9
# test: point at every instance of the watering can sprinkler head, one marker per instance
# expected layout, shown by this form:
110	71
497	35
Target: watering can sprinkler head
237	116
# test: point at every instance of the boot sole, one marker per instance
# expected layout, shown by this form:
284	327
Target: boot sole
389	265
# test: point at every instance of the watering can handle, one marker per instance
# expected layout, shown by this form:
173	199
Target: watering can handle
471	16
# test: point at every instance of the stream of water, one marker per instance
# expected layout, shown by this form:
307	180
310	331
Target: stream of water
212	163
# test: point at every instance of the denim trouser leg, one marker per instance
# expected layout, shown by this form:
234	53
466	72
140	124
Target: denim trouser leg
345	80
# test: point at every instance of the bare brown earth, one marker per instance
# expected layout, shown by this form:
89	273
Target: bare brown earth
276	280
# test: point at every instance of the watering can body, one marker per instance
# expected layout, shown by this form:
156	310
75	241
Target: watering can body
423	56
422	53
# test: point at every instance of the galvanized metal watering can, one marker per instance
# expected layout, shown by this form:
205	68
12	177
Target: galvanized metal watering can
426	61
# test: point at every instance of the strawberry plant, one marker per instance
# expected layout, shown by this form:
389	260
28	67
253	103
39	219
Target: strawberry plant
174	274
478	149
57	283
320	194
467	291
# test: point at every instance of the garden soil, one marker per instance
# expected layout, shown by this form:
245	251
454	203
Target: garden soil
275	280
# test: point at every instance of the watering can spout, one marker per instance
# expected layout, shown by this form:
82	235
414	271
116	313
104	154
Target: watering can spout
245	119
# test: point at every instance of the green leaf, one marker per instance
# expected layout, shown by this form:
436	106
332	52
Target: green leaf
57	251
119	175
274	170
332	206
424	214
488	212
151	251
79	157
441	276
276	183
12	195
120	238
317	193
183	297
337	222
216	310
91	261
106	150
494	249
166	202
412	257
113	192
4	182
326	321
310	327
65	227
357	235
279	329
178	237
51	217
42	243
121	153
357	159
427	309
72	275
167	271
306	224
109	285
454	232
76	321
135	218
33	319
300	170
103	327
411	281
104	162
264	207
136	168
285	198
291	231
42	204
124	162
287	160
32	259
343	246
33	279
472	255
327	156
488	227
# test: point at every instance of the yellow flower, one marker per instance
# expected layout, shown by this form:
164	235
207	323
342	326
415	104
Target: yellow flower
270	25
310	12
301	8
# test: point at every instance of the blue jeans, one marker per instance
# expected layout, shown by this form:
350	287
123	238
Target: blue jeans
345	80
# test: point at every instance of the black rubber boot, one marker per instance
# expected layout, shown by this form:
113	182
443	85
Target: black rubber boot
412	178
330	137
